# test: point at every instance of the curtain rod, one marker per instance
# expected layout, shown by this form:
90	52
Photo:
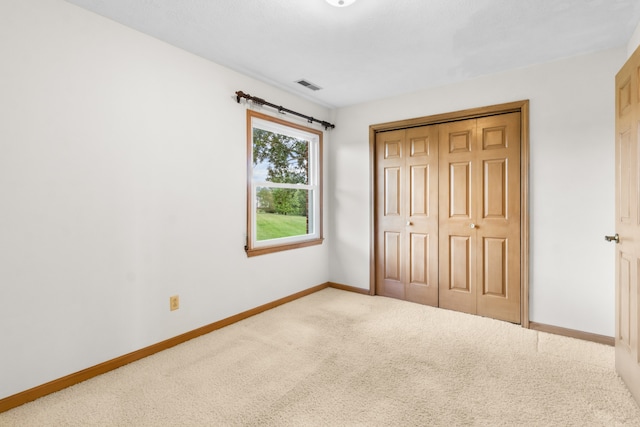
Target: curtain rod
240	94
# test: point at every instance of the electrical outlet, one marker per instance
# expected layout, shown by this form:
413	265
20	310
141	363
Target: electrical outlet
174	302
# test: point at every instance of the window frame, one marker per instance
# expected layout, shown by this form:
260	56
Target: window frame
315	215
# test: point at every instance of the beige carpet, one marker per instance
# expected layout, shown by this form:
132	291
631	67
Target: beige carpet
336	358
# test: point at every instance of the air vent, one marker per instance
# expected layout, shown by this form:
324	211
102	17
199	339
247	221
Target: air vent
308	84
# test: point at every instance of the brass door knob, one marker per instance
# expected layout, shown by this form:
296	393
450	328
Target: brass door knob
615	238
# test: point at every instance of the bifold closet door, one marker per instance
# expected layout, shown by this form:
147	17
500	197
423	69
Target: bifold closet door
479	227
407	214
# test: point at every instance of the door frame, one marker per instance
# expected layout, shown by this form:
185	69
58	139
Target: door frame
518	106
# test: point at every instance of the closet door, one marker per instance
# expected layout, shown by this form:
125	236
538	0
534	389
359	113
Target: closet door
498	234
458	239
407	214
479	233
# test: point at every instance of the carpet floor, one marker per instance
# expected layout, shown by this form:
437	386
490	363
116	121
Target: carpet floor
336	358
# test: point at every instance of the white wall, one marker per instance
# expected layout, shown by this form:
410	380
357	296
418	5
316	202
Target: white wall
122	182
571	181
634	42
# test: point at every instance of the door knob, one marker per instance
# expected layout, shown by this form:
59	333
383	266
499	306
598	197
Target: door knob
473	225
615	238
409	223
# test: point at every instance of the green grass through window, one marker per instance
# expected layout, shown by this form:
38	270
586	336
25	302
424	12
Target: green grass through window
273	226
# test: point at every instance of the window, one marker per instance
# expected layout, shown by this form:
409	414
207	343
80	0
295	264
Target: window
284	199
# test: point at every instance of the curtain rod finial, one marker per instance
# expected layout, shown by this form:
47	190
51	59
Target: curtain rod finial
241	94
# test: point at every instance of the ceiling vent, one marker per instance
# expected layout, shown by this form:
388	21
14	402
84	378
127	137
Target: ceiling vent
308	84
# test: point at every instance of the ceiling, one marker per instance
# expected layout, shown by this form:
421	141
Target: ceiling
376	48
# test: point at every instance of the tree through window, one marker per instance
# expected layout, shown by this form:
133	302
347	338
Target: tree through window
285	190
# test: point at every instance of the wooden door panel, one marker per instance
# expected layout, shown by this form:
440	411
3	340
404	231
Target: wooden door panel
392	191
457	290
499	295
494	137
419	191
460	190
420	143
494	189
460	263
419	259
421	274
624	97
460	139
393	265
393	147
494	274
624	301
628	224
392	256
624	172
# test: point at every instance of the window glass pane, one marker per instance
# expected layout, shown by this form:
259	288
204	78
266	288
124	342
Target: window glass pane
281	212
285	185
280	158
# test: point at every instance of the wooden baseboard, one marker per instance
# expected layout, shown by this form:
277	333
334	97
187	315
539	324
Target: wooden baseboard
348	288
572	333
78	377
